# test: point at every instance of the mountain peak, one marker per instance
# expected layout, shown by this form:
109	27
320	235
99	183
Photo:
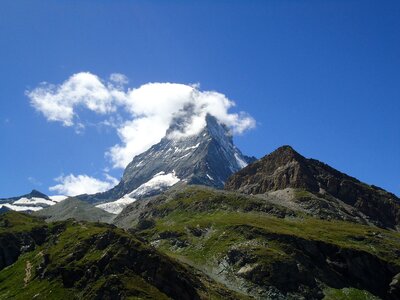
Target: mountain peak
36	193
33	193
186	124
284	152
280	169
217	130
286	148
207	157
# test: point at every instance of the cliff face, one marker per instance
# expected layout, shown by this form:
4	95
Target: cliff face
285	168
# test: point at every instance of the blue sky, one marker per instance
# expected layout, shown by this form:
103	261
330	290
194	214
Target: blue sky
322	76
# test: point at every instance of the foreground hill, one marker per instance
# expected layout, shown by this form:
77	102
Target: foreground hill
81	260
254	246
323	188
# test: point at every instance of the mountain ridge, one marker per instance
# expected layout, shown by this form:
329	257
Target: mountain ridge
33	193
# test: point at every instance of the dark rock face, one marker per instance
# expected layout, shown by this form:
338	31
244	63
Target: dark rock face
12	245
207	158
281	169
285	168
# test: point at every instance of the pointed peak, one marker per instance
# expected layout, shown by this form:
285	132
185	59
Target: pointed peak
187	124
282	155
181	120
211	120
216	129
286	150
36	193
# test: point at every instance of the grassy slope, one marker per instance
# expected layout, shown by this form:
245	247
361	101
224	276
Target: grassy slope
183	214
208	227
14	222
73	247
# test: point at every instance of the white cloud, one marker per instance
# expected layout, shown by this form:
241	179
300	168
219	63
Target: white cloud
150	109
72	185
57	103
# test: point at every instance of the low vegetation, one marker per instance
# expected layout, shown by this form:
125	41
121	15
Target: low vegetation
81	260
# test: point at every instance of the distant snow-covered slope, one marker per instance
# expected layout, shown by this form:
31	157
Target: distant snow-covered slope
33	201
158	183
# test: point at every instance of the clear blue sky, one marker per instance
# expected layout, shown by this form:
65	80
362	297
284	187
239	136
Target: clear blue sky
322	76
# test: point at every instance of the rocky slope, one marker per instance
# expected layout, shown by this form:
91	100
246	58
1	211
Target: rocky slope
80	260
285	168
207	158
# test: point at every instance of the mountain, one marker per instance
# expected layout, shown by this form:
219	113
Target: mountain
316	184
279	230
72	208
207	158
33	201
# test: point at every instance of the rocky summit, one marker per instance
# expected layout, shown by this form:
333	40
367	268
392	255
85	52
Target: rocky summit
315	181
207	158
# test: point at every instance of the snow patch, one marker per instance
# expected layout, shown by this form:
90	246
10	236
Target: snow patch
20	207
115	207
158	182
177	149
33	201
140	163
240	161
209	177
183	156
193	147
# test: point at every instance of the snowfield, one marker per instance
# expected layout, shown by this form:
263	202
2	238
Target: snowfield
115	207
159	182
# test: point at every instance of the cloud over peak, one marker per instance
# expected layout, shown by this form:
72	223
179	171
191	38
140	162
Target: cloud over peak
149	108
72	185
